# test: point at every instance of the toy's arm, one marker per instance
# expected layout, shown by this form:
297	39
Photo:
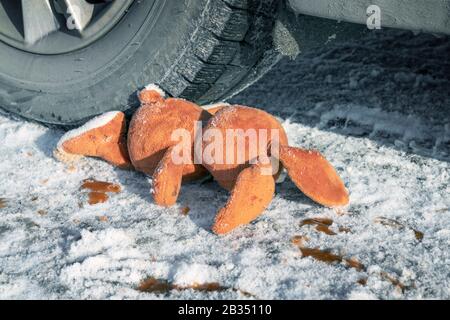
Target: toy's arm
167	180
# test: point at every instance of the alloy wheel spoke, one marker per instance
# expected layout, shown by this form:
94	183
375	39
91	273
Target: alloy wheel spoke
38	20
78	13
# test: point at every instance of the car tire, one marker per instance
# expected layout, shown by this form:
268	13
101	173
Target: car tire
201	50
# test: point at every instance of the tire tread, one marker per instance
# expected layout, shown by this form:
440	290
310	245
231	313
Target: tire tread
231	49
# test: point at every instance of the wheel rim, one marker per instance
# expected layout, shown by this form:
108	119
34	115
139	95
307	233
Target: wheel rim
57	26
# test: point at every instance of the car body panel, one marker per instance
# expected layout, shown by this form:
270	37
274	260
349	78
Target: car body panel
418	15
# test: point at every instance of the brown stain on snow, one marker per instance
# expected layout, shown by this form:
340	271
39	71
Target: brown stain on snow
398	225
3	203
323	225
299	240
355	264
185	211
161	286
97	197
396	282
418	234
362	281
345	230
102	218
320	255
325	255
100	186
153	285
99	189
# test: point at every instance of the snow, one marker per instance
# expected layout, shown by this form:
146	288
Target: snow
216	105
388	138
155	87
188	274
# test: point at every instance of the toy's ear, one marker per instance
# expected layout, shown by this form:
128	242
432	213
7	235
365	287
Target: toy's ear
151	94
314	176
167	180
252	193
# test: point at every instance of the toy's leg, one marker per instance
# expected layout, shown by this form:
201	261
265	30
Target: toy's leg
102	137
314	176
252	193
167	180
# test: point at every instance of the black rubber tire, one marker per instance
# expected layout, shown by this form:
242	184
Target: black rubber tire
201	50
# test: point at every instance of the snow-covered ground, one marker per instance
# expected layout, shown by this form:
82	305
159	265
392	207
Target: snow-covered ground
379	109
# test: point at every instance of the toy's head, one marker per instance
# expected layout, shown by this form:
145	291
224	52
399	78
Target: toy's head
154	126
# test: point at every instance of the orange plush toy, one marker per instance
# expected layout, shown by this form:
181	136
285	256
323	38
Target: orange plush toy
249	176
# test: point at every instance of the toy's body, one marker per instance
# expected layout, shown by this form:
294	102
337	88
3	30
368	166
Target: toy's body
149	134
254	147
